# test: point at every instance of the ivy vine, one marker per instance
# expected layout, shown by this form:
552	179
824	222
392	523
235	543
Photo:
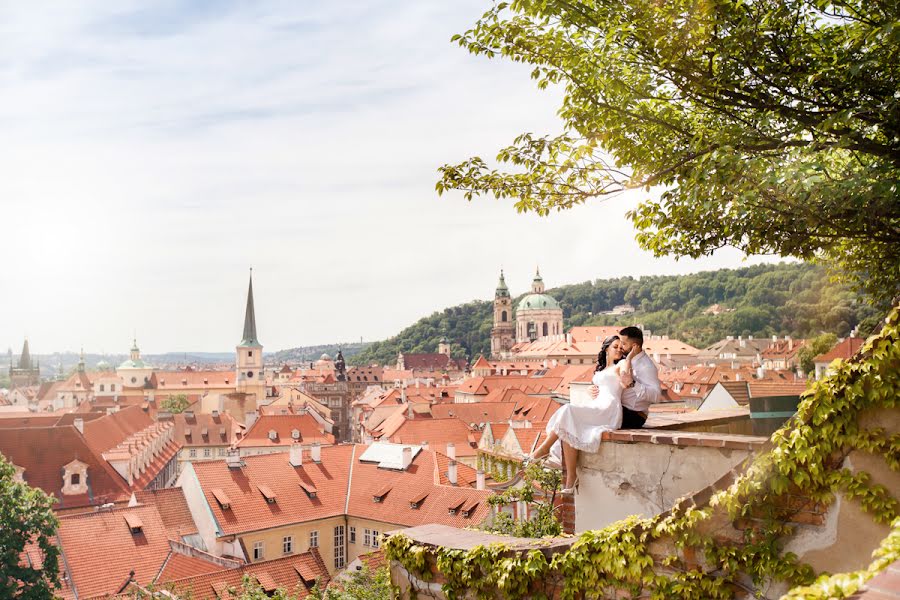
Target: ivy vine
804	460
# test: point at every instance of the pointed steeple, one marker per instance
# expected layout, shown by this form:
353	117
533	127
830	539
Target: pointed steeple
537	286
81	362
25	358
249	338
502	290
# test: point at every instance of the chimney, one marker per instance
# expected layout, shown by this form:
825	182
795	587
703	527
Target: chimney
451	472
774	338
409	411
403	393
233	459
451	450
316	452
250	418
760	373
568	338
479	480
296	455
79	425
215	414
407	457
221	403
424	444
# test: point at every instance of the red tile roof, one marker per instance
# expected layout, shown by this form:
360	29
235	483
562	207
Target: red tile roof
758	389
437	432
44	451
100	549
172	508
188	378
296	574
180	566
248	510
203	430
593	334
283	426
843	350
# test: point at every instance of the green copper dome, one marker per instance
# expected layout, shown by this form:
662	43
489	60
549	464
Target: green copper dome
537	302
502	290
133	364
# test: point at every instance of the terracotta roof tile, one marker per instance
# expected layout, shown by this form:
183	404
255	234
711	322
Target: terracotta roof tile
296	574
283	425
179	566
100	549
843	350
173	509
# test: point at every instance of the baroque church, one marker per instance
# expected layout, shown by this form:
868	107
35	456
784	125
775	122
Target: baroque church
537	315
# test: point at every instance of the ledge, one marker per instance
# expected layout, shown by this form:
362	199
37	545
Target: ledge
444	536
686	438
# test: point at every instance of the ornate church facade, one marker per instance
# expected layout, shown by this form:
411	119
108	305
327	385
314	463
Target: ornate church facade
537	315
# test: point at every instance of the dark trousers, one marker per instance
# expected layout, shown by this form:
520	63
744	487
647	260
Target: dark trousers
632	419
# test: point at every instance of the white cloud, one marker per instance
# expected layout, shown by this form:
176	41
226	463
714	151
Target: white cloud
151	156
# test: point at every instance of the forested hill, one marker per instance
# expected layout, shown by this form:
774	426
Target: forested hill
785	299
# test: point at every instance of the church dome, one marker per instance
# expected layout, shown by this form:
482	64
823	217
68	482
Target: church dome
324	356
133	364
537	302
103	366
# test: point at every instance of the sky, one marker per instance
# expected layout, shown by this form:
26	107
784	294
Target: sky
154	152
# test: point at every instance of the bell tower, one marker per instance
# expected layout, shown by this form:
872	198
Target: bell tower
503	331
250	376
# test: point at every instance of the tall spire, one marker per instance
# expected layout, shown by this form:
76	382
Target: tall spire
502	291
25	358
249	338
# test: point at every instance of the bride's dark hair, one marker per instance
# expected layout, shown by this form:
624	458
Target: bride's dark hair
601	358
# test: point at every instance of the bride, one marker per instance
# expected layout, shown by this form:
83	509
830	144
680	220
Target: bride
578	428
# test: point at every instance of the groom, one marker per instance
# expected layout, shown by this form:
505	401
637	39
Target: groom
643	389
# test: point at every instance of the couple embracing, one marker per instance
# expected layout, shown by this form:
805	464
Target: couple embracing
625	382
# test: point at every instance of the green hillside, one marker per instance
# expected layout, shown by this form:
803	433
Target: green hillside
795	299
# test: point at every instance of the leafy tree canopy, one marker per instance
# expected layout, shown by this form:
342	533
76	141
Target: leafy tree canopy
26	518
773	127
175	404
819	345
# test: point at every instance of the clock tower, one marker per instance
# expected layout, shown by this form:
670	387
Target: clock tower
250	373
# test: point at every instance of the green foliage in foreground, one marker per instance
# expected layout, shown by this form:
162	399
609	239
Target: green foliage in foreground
705	556
772	127
794	299
538	488
26	517
364	584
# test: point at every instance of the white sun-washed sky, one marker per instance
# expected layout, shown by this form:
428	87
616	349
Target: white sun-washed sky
152	152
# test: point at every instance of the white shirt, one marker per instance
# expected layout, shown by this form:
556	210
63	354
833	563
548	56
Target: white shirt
646	390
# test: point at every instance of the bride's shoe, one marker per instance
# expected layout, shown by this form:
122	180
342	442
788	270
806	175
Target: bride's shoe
569	491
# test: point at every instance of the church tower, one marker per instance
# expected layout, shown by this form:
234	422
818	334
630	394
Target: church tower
26	373
503	331
250	374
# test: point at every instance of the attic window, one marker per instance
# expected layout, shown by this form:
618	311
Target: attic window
184	382
273	435
267	493
380	494
469	508
222	431
309	488
226	382
205	380
454	508
204	432
135	525
221	498
266	582
187	433
295	434
416	502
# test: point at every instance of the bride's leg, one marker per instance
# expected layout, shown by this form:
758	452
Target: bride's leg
570	457
544	449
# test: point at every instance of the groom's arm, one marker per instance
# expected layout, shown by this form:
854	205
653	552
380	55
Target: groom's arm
647	389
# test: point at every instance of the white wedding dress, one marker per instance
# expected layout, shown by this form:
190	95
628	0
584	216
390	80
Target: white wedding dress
581	426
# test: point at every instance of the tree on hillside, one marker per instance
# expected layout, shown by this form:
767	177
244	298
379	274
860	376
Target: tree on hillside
26	519
773	127
177	403
814	348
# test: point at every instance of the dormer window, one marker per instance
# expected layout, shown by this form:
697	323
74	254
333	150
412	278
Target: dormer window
273	435
74	478
295	434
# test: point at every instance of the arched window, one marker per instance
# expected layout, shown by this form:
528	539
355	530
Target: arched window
546	329
503	316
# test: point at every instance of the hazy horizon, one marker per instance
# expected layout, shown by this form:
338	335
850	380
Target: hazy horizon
154	154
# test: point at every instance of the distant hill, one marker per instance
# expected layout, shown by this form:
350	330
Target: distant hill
313	353
796	299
